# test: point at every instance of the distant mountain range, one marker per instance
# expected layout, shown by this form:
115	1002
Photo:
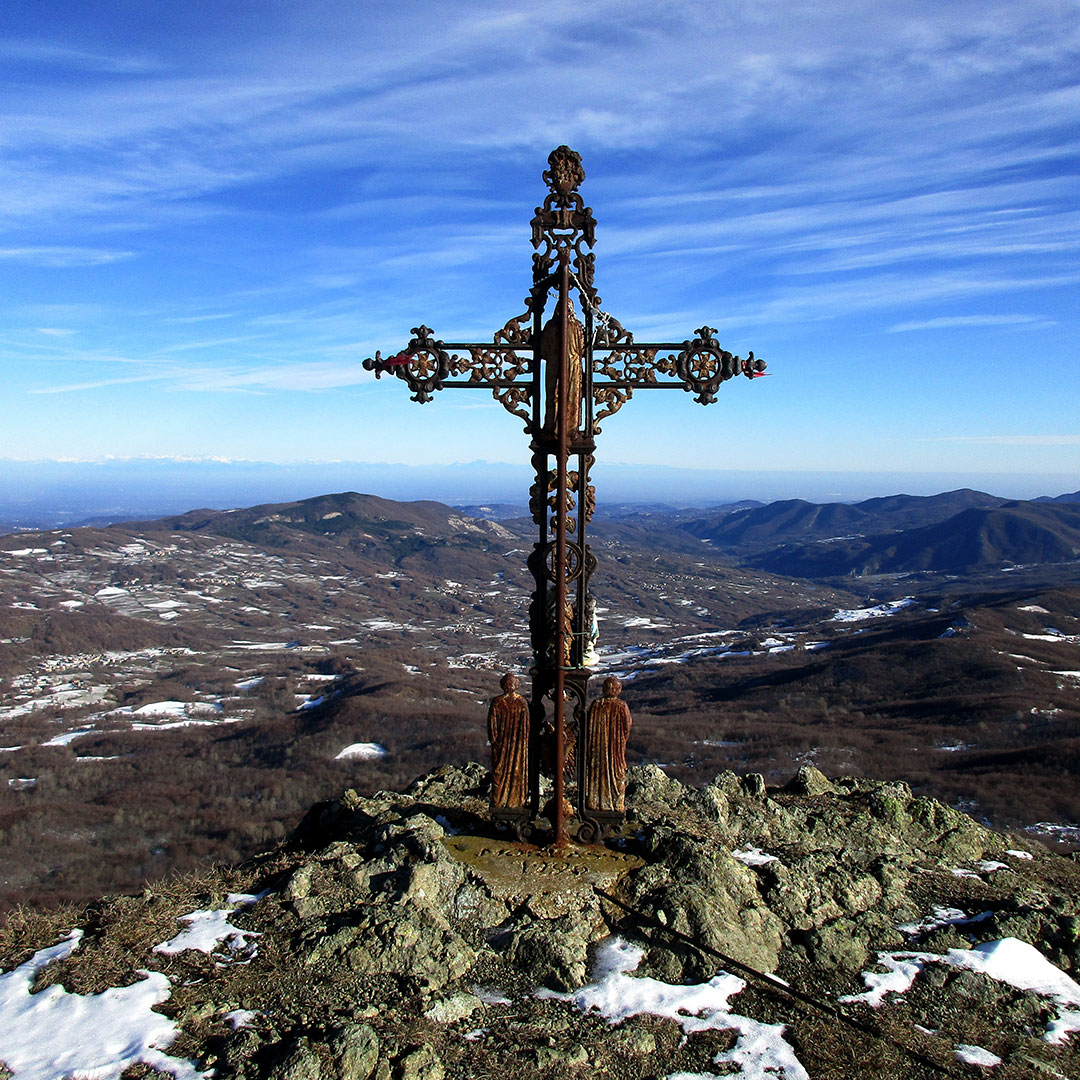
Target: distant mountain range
956	532
963	531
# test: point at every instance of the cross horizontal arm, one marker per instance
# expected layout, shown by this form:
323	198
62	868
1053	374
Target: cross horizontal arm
427	365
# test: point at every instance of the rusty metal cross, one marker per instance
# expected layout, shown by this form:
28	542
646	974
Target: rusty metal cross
562	378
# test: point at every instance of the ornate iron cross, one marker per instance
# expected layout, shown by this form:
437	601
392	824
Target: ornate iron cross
562	377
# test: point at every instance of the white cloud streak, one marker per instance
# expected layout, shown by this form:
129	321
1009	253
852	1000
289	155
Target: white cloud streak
951	322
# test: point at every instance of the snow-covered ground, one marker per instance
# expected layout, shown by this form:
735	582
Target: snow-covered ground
1008	960
760	1052
877	611
363	751
54	1034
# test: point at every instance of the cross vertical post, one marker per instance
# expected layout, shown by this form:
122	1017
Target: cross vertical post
559	822
562	378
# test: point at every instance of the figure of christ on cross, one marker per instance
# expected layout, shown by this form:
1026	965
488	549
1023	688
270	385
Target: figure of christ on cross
562	377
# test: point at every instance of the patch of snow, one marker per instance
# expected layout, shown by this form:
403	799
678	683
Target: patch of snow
879	611
71	603
760	1050
266	646
250	684
19	552
902	969
491	997
9	749
1019	854
1068	833
942	916
976	1055
240	1018
56	1034
753	856
111	590
21	783
68	737
1008	960
383	624
162	708
362	750
1035	608
939	916
206	930
168	725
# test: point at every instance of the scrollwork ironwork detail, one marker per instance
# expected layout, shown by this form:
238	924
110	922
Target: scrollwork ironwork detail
500	369
703	365
423	364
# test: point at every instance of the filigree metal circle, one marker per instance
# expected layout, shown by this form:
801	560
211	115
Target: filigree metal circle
573	561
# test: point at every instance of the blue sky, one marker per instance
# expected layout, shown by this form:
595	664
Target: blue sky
212	212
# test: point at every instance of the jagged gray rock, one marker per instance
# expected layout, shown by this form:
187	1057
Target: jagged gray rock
357	1052
394	936
809	781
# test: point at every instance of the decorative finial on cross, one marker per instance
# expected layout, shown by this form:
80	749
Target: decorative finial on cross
562	377
564	174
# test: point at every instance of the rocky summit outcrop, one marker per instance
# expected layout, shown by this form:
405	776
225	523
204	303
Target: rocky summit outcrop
401	937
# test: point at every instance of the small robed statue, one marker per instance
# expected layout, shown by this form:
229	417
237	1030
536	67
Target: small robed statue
508	733
607	727
551	350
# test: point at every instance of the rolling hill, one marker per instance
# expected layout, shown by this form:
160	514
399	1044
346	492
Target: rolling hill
976	539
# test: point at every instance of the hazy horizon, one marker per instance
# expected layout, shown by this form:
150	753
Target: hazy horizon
49	494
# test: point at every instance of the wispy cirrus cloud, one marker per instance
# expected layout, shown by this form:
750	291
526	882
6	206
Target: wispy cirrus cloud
314	183
952	322
51	53
97	384
56	256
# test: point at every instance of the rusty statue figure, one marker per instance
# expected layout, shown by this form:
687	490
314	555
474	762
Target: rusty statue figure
604	769
508	733
549	349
